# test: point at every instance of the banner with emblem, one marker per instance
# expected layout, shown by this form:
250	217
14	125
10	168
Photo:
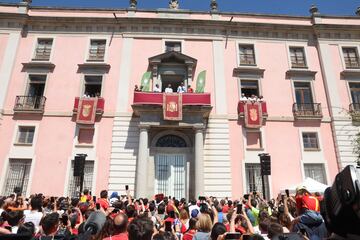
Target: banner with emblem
172	106
253	115
86	110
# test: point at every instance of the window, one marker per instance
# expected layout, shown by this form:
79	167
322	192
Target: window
355	95
249	87
74	182
86	135
43	50
25	135
297	56
351	57
97	50
247	55
36	85
316	172
173	46
253	179
17	176
93	86
253	140
303	93
310	140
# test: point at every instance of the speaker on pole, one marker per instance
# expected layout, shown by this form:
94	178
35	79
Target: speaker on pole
265	163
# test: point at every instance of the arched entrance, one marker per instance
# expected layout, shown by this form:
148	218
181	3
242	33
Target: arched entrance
171	164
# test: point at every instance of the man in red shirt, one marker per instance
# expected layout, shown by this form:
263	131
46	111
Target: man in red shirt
103	200
305	201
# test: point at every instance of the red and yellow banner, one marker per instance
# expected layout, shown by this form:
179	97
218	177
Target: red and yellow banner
253	115
172	106
86	113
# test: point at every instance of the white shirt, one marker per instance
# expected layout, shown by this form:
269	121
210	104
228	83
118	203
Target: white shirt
244	98
181	89
156	89
33	216
168	90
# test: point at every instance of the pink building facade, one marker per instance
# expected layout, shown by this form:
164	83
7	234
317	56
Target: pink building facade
306	68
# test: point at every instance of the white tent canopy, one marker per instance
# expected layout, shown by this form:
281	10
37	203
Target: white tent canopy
311	185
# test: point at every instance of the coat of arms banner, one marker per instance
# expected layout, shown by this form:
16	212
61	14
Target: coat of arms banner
172	106
253	115
86	111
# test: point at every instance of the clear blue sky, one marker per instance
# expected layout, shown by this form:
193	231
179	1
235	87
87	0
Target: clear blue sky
292	7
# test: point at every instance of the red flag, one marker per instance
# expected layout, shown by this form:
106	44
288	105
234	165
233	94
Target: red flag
172	106
253	115
86	110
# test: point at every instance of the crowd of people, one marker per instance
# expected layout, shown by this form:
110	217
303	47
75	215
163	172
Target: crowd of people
252	98
207	218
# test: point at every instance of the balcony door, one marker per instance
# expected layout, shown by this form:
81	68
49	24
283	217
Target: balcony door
36	85
303	95
355	95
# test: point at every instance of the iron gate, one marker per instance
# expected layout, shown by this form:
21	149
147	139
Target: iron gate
17	176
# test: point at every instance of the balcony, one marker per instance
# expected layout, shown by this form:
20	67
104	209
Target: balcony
99	107
29	104
304	111
195	107
188	99
241	110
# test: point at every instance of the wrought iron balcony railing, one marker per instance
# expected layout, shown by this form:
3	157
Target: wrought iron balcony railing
29	104
354	108
307	110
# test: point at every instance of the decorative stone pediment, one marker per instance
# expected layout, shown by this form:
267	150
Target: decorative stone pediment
172	57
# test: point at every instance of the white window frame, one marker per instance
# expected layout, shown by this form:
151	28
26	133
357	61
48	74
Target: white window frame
18	136
21	150
316	163
87	54
256	54
163	44
349	89
317	141
35	44
341	46
313	157
82	88
298	45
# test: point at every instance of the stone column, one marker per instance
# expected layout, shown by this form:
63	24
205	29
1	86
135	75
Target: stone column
199	161
142	163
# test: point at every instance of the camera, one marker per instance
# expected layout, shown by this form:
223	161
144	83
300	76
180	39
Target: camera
341	205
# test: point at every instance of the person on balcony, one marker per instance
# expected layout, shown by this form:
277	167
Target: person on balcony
190	89
168	89
86	95
253	98
243	98
260	99
157	88
136	89
181	88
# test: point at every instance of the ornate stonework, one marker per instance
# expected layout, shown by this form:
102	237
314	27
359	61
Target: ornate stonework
174	4
133	4
213	5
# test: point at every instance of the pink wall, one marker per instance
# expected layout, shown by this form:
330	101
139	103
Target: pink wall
237	158
103	153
